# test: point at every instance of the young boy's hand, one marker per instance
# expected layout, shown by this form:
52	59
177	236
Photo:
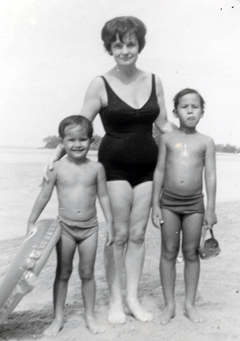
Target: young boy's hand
157	217
110	234
210	218
30	227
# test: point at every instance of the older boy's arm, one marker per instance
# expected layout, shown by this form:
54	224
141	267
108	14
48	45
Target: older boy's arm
210	180
42	200
158	184
105	203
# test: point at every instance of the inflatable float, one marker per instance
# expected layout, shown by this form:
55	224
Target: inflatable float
21	276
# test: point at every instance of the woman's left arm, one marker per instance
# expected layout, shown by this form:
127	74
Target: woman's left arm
162	123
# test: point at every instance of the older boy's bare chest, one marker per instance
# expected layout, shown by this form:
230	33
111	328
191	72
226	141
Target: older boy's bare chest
186	148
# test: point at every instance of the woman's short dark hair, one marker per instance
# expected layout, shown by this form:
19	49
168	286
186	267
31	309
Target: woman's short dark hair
184	92
76	120
121	26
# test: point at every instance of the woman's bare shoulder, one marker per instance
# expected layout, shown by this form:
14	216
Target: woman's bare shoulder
96	83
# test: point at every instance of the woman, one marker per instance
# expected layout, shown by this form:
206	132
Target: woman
129	101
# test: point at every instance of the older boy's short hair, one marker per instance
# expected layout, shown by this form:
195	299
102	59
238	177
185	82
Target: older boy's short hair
184	92
76	120
123	26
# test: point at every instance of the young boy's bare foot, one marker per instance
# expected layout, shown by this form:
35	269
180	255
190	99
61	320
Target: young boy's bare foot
93	326
116	314
193	315
138	312
54	328
167	314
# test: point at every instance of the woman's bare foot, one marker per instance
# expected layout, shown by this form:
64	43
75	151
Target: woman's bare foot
116	314
54	328
167	314
93	326
138	312
191	312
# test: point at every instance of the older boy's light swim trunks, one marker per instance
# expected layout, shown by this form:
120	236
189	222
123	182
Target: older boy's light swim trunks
78	230
182	205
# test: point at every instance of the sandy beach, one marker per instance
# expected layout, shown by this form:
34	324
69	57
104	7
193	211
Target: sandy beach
218	296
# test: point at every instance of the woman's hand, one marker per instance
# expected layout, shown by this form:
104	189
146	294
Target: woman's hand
57	154
110	235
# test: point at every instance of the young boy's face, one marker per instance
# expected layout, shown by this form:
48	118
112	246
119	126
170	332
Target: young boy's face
76	142
189	110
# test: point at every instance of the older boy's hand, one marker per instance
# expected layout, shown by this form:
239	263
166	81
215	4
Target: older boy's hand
210	218
157	217
110	234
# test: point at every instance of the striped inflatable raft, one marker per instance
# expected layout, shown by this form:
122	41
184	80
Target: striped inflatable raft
20	277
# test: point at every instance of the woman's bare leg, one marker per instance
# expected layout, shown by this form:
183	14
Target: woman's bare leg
170	247
192	225
87	253
120	193
65	253
135	251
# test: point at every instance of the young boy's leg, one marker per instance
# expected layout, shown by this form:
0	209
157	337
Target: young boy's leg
87	253
65	253
191	225
170	247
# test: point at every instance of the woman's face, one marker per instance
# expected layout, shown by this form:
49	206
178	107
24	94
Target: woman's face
125	52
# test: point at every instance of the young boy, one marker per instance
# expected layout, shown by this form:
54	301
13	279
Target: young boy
78	181
183	154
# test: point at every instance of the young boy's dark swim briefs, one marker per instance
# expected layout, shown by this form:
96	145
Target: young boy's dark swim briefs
78	230
181	204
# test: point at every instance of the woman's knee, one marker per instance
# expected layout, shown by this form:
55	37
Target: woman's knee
137	235
121	236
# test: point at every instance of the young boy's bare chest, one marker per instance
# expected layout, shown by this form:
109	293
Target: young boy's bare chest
77	175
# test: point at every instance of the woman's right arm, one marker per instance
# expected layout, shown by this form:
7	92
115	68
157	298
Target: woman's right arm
91	107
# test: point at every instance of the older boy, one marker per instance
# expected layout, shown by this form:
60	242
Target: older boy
183	154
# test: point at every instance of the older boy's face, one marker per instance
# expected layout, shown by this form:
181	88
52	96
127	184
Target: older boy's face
76	142
189	110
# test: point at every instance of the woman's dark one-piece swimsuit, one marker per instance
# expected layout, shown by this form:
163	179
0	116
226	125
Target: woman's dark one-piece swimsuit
128	150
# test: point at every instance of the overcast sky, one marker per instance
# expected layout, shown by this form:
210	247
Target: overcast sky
51	50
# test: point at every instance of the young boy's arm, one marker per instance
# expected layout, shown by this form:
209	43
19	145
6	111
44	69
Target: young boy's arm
105	203
42	199
158	183
210	180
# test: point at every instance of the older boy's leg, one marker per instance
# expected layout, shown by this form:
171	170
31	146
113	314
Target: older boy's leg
192	225
170	247
120	193
142	195
65	252
87	253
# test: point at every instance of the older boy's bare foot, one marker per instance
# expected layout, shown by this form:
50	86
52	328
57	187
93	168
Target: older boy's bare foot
193	315
167	314
54	328
93	326
138	312
116	314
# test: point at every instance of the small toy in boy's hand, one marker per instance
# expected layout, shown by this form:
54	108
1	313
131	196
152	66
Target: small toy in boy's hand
208	248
